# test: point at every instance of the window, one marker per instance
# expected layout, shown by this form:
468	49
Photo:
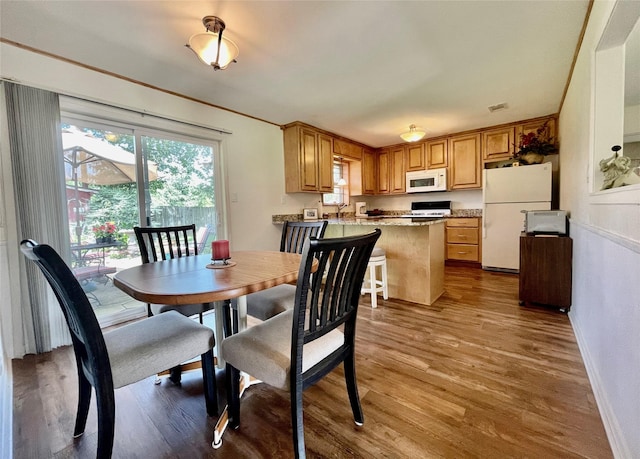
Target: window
120	174
340	193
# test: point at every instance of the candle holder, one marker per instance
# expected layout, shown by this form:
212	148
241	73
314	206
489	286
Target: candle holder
220	252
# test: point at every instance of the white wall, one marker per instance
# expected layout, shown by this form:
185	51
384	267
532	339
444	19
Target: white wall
606	293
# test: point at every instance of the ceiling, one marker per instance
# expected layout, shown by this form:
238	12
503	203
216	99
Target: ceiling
365	70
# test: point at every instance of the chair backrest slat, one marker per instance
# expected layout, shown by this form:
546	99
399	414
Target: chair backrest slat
162	243
295	233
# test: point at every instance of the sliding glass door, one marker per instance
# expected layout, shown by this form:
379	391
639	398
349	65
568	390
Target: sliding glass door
120	176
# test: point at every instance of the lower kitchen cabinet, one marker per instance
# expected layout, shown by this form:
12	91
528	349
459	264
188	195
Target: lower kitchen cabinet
463	239
546	270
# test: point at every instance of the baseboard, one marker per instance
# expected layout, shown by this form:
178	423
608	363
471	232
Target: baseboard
617	442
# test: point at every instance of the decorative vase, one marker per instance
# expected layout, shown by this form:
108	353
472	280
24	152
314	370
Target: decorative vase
100	240
532	158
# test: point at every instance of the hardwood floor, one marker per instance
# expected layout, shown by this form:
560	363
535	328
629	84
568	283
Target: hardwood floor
473	376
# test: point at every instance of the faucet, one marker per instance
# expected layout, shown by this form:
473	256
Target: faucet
340	207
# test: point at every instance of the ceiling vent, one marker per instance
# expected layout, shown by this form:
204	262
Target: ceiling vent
495	108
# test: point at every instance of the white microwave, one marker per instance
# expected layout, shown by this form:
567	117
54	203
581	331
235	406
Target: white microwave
427	180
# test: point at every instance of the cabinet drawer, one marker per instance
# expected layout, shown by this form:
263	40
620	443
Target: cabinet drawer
462	235
462	252
464	222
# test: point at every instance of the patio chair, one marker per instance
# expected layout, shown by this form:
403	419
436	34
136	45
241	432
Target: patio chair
270	302
107	361
295	349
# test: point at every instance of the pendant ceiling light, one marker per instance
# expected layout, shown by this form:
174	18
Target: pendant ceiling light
413	134
341	180
210	47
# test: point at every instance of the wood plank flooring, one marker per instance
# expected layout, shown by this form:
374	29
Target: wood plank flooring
475	375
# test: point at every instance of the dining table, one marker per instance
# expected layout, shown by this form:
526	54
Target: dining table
196	279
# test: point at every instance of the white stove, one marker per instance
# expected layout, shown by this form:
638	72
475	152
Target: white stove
428	213
429	209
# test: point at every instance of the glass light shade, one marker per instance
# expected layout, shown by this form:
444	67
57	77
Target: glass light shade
413	135
342	182
205	45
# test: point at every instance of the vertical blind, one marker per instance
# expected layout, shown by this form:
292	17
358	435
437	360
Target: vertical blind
33	117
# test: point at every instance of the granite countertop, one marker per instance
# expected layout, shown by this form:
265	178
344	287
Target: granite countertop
389	218
385	221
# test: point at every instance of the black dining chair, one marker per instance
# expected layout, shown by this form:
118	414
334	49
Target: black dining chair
270	302
295	349
164	243
127	354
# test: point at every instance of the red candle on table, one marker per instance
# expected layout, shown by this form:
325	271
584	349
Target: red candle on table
220	250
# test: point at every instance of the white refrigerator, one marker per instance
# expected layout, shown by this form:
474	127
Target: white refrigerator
506	192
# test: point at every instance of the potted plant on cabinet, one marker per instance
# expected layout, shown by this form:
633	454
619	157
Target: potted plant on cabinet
534	146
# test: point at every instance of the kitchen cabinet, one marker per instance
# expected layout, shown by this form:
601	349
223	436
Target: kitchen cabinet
436	153
342	148
498	144
463	239
465	166
546	270
384	185
415	158
308	160
369	172
397	176
534	124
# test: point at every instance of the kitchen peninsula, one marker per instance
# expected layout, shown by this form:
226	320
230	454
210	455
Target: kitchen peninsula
414	249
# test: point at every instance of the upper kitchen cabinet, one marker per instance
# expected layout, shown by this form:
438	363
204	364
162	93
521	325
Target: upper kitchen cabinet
384	172
465	166
436	153
369	172
498	144
415	158
397	175
308	160
348	150
533	125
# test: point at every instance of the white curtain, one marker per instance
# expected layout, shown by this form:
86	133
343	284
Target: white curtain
35	144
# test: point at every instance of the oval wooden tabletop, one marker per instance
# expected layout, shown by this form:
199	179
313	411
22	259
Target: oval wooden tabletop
187	280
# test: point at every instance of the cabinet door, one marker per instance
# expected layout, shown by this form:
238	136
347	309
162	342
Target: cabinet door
415	158
325	164
465	171
436	153
398	174
497	144
532	126
347	149
383	172
369	172
308	160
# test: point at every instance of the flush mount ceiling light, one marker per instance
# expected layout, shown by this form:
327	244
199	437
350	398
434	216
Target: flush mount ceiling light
210	47
413	134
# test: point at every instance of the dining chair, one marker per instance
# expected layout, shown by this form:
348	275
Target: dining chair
295	349
164	243
270	302
110	360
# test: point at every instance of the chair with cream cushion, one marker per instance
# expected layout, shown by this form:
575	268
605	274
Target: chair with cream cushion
297	348
270	302
107	361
